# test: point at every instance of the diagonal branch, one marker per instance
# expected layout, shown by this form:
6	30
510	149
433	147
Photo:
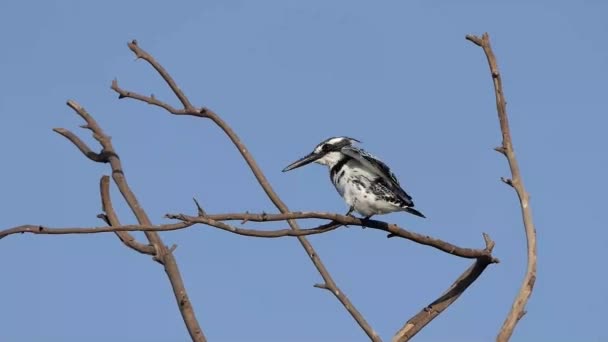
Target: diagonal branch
140	53
519	305
81	145
330	284
431	311
163	254
112	219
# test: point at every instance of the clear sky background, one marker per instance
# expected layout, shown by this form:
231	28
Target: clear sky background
397	75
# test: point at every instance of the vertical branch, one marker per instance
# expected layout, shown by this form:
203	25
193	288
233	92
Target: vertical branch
527	286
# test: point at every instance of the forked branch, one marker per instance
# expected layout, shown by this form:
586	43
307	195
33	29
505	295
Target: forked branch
392	229
519	304
111	219
161	253
188	109
217	221
164	255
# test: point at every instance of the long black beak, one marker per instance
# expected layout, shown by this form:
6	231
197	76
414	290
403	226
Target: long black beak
303	161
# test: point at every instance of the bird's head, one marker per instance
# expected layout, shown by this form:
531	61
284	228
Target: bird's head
328	153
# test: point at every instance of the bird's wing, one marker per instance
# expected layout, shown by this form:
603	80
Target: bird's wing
379	168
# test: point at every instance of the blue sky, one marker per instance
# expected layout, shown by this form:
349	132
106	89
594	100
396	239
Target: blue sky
286	74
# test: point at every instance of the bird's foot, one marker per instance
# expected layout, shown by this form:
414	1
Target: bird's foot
349	213
365	218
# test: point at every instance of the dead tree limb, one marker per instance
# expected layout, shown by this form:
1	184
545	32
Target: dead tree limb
392	229
431	311
112	219
43	230
161	252
189	109
216	220
518	308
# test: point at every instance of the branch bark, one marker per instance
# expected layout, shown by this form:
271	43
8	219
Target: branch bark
431	311
112	220
162	254
392	229
519	304
215	220
43	230
188	109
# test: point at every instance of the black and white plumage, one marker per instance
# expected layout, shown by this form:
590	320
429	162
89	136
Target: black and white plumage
367	185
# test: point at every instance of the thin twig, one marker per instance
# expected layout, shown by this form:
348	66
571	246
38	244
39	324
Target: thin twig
43	230
147	99
261	178
140	53
518	308
199	209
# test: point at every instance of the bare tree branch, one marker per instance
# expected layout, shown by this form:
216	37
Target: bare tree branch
43	230
112	220
162	254
519	305
147	99
431	311
82	146
140	53
393	229
261	178
215	220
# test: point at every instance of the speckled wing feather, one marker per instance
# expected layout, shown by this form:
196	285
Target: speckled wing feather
380	169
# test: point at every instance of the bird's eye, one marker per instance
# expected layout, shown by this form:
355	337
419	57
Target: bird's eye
326	148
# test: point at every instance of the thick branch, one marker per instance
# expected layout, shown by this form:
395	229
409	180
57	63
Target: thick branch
519	305
162	254
261	178
431	311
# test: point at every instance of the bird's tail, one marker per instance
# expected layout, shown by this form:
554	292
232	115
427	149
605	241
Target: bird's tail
414	211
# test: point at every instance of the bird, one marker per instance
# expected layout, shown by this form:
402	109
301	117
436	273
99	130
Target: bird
366	184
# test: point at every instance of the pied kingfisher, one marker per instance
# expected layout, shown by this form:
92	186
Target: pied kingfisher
367	185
